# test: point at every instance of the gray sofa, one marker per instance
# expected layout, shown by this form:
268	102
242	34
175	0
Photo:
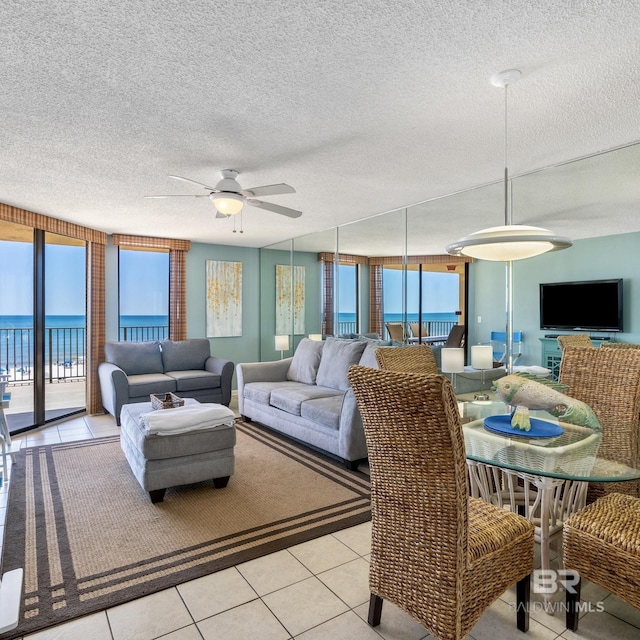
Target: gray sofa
308	397
134	370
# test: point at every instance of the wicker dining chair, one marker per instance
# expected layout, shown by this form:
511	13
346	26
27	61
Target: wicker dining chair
575	340
418	359
602	543
608	380
438	554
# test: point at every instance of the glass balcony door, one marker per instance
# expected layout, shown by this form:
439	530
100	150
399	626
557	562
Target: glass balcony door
65	326
42	325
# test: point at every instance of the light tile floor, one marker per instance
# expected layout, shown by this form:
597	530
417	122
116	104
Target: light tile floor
313	591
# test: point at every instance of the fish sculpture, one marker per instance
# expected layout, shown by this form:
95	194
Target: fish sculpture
525	391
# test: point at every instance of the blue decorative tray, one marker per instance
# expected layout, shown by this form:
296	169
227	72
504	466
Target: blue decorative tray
539	428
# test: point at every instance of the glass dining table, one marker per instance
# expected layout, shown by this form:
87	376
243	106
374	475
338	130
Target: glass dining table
544	478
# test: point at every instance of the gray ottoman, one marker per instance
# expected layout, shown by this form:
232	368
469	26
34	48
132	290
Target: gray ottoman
160	462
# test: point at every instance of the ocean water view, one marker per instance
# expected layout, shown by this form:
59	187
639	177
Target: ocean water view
26	322
64	342
411	317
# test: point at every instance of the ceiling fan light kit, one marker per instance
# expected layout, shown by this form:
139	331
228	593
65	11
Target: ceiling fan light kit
229	197
228	204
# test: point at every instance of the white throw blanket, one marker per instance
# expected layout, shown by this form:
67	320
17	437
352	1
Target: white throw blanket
190	417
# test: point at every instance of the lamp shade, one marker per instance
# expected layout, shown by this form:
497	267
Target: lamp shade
481	356
282	343
317	337
452	360
228	204
508	242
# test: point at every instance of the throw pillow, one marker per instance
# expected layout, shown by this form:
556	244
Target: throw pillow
134	358
368	358
305	362
185	355
337	357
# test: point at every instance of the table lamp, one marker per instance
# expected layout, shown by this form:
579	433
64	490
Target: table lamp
452	362
482	357
316	337
282	344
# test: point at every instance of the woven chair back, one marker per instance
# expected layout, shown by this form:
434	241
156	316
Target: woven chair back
416	359
577	340
608	380
419	486
619	345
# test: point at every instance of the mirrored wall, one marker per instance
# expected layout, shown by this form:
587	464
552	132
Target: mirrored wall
356	278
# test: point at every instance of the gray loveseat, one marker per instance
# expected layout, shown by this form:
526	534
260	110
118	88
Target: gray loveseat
135	370
308	397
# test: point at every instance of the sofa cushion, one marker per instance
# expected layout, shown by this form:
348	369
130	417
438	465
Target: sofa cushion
194	380
290	399
368	358
337	357
135	357
260	392
324	411
305	362
181	355
144	384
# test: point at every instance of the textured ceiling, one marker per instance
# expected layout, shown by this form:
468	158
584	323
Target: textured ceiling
363	106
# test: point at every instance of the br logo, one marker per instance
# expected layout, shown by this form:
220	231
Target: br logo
548	580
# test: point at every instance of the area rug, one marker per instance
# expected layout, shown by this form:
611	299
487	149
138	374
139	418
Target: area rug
89	538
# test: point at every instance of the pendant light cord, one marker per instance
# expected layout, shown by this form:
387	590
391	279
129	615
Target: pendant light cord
507	219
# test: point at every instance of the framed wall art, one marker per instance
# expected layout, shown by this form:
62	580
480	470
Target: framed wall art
224	299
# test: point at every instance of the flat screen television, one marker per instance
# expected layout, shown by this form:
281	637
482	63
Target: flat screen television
592	305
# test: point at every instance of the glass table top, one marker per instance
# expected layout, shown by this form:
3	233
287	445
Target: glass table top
569	456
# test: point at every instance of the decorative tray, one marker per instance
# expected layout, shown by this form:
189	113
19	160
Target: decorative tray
539	428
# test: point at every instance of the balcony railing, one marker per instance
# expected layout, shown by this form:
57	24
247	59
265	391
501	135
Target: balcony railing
64	347
434	328
143	334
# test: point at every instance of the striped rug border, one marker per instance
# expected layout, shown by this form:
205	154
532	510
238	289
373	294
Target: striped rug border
73	597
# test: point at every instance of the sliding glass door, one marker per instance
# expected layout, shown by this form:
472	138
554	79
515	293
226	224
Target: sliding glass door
65	325
42	324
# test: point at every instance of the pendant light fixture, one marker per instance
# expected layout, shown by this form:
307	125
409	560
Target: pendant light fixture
511	241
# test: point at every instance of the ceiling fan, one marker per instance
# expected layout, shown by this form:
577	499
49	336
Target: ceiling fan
229	197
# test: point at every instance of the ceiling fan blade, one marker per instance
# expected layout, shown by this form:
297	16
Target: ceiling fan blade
268	190
276	208
220	215
200	184
179	196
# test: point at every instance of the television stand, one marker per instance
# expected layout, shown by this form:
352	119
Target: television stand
552	353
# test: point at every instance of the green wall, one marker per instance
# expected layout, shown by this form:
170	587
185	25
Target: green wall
615	256
258	298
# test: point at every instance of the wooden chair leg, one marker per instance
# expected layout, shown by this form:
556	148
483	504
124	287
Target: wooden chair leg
572	601
375	610
523	593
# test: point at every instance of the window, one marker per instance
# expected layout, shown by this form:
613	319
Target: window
431	294
143	294
347	303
